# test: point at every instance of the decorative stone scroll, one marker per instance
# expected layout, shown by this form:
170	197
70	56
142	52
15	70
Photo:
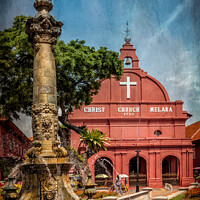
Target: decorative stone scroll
43	28
49	188
59	151
34	151
45	121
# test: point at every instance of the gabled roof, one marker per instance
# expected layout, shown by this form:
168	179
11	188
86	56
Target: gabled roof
193	131
10	126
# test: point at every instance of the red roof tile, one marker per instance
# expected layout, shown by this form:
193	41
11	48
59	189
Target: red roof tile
193	131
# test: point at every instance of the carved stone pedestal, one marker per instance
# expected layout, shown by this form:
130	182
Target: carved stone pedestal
47	179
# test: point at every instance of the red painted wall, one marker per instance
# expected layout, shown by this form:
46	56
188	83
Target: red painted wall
13	143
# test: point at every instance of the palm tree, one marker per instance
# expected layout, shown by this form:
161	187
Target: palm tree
93	141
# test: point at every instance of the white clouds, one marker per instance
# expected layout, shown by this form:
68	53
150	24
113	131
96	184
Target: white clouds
185	76
162	52
155	37
166	58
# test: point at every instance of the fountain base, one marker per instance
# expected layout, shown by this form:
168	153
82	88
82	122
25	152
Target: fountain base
47	179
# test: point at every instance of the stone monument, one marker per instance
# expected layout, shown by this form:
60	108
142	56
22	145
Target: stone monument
46	167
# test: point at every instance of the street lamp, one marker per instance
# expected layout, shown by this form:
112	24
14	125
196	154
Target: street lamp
138	155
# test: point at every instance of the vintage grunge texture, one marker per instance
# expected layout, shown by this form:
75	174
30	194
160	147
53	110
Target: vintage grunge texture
164	32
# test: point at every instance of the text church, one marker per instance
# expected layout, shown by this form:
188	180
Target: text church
137	114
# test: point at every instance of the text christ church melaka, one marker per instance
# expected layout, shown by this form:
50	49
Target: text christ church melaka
137	113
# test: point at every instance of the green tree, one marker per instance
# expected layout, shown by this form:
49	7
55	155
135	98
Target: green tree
16	73
80	71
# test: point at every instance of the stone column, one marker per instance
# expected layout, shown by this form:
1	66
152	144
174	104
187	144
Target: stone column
118	161
43	31
45	171
117	165
158	168
152	169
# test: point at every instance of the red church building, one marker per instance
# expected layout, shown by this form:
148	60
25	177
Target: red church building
137	113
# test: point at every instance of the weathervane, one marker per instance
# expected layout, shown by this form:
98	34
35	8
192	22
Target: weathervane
127	38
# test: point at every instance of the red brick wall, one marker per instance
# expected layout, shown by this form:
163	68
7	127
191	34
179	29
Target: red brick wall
13	143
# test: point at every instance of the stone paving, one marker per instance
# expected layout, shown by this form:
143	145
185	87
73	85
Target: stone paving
162	192
155	192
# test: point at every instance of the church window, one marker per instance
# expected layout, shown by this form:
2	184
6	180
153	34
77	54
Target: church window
3	142
157	133
14	147
3	139
194	153
10	145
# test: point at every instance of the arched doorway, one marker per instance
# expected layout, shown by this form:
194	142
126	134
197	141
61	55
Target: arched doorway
133	172
171	170
104	165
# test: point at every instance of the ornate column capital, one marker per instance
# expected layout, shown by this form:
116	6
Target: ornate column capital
43	28
39	4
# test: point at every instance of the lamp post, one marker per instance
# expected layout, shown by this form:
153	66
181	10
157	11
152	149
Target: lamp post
138	155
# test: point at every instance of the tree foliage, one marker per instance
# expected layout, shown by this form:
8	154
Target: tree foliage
80	71
94	140
16	70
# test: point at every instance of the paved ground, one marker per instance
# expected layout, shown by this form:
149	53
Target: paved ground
155	192
162	192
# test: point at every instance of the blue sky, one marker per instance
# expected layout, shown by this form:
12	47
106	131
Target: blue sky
166	34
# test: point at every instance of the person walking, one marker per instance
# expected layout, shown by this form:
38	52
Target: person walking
118	185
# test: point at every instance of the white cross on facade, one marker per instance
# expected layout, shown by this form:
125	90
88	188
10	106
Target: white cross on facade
128	84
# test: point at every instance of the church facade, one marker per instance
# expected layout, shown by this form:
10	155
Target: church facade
137	114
